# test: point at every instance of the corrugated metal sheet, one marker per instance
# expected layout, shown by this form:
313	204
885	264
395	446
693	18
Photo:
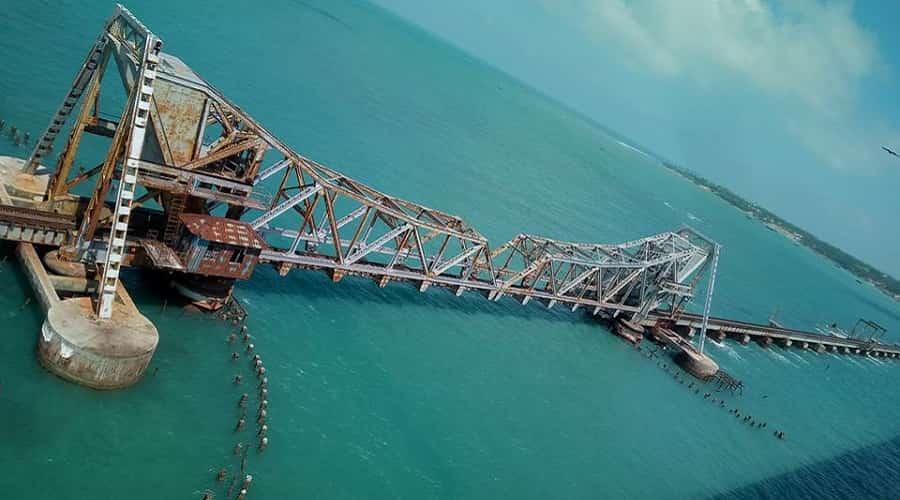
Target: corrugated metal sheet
222	230
161	255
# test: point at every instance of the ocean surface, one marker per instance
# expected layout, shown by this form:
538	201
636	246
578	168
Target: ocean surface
389	393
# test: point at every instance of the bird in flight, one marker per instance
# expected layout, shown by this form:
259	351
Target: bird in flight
890	151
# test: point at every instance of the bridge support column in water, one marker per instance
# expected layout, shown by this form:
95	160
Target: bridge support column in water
74	345
697	364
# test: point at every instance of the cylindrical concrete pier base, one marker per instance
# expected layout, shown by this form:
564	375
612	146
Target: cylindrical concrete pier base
698	365
109	354
64	267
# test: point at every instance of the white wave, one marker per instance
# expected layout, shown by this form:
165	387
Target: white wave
798	357
636	150
781	357
729	350
694	217
875	361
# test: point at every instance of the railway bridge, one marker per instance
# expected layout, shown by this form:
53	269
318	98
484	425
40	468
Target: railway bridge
193	186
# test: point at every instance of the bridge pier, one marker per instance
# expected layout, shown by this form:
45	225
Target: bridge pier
787	342
765	341
632	332
819	348
845	350
283	268
698	365
857	350
424	285
383	281
74	345
685	331
337	275
745	339
804	345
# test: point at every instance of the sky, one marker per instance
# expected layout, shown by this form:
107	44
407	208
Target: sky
786	102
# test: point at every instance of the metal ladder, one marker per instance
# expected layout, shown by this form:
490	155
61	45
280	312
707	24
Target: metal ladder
140	113
45	143
176	206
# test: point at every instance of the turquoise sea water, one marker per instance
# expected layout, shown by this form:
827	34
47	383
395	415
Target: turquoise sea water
389	393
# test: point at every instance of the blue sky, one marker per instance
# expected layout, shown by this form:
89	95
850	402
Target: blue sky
786	102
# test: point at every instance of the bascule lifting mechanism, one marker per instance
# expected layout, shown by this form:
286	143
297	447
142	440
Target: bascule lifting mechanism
178	142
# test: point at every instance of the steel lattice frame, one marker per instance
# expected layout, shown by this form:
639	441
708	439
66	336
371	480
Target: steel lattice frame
318	218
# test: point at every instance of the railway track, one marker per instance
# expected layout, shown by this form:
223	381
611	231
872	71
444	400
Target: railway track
35	219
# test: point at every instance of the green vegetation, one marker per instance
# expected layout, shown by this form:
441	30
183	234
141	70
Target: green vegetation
883	281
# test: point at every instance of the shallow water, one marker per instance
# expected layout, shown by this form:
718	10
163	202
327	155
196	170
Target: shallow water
391	393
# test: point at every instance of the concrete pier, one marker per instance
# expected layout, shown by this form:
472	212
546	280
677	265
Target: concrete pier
37	276
698	365
109	354
632	332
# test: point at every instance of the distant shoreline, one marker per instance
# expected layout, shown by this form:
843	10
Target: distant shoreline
864	272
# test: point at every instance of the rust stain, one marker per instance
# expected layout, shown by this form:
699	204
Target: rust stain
222	230
180	110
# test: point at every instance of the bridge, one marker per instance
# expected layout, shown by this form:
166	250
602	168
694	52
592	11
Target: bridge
744	332
193	186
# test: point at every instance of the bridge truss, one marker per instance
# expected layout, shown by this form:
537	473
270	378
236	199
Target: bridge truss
184	145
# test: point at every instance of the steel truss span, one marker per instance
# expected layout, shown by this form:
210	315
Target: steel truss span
205	155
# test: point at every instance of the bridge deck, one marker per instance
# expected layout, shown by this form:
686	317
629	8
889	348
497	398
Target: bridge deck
722	327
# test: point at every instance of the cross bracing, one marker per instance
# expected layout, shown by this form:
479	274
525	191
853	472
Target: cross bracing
201	153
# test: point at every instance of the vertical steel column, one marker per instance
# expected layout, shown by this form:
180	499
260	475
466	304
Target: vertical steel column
709	295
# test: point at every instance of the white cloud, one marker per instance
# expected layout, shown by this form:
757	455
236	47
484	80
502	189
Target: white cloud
807	55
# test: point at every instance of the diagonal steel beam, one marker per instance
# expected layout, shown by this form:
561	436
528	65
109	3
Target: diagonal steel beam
285	206
439	269
270	171
365	249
